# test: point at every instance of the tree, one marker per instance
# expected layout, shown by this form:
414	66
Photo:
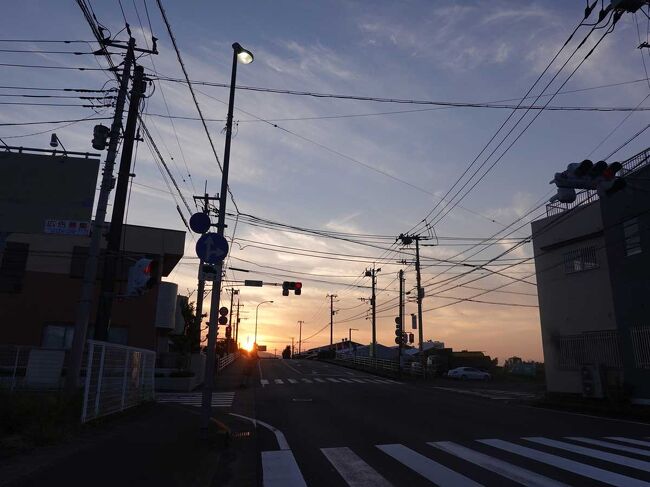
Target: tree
511	362
190	341
286	353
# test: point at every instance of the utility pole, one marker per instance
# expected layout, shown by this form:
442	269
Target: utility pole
112	259
292	348
237	324
205	199
331	296
300	322
233	291
401	320
407	240
350	337
372	273
90	270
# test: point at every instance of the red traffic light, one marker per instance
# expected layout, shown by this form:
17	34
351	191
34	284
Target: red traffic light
298	285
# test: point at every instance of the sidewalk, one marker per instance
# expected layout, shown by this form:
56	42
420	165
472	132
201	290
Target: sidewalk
155	444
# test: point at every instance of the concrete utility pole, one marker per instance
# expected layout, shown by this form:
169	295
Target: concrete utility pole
331	296
372	273
407	240
198	320
90	270
300	322
401	320
350	335
113	258
292	349
233	291
237	324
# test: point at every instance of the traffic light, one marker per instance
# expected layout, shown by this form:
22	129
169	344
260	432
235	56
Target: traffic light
100	136
399	335
587	175
287	286
142	277
228	332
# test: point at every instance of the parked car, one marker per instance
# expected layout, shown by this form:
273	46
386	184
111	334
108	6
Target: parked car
467	373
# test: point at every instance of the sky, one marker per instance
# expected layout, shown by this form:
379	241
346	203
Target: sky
363	169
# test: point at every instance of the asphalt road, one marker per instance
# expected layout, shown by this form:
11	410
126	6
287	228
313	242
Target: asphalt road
324	425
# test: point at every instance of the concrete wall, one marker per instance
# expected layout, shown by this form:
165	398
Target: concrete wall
572	303
630	274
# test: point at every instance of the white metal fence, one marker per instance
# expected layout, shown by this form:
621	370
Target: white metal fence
32	368
117	377
226	360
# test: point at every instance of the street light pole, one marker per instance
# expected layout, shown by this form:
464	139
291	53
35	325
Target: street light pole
257	308
245	57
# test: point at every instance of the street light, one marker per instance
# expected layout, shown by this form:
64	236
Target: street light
256	311
239	53
244	55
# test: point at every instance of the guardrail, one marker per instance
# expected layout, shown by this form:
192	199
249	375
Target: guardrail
118	377
382	365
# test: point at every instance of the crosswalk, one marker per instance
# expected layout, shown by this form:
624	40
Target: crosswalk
530	461
327	380
219	399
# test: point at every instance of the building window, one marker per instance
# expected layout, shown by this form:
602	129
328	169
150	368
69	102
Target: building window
12	267
641	346
579	260
58	336
632	237
589	348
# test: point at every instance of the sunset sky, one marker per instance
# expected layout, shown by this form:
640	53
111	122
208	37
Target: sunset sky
367	168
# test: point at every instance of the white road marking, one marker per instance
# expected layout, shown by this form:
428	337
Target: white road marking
433	471
264	382
332	379
353	469
345	380
590	452
308	381
361	381
512	472
219	399
318	380
293	381
588	471
630	441
279	381
292	368
279	436
613	446
350	373
279	469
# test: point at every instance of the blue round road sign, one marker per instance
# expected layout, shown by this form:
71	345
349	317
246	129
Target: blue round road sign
200	222
212	248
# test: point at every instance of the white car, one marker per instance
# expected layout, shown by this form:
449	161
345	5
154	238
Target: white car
466	373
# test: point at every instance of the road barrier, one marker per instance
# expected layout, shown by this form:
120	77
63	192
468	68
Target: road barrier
118	377
381	365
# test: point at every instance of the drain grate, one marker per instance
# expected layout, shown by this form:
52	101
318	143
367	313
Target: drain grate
239	435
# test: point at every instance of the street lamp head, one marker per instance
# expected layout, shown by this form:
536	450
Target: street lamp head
244	56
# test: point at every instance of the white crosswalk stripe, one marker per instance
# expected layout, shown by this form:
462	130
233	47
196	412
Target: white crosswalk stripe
583	469
325	380
631	441
430	470
492	459
613	446
505	469
353	469
590	452
219	399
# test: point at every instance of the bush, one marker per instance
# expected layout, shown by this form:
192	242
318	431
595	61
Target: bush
38	418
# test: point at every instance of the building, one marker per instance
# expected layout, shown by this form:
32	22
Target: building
46	203
592	259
